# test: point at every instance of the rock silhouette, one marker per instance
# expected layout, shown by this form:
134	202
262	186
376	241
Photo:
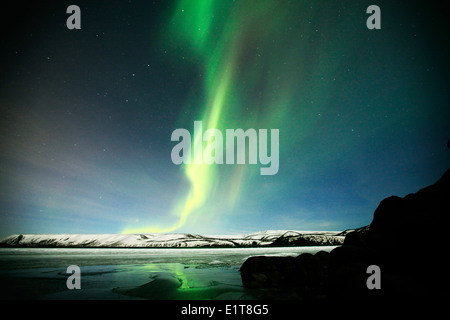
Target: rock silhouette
405	239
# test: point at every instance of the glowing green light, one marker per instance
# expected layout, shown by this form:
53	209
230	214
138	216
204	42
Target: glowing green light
244	49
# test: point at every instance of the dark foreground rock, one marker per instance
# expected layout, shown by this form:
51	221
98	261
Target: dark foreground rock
405	240
287	277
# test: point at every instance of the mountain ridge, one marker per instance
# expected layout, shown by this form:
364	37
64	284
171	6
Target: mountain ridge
176	240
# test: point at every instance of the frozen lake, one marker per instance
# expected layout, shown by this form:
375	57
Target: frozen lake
37	273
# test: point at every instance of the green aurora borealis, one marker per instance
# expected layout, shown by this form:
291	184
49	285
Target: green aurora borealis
362	114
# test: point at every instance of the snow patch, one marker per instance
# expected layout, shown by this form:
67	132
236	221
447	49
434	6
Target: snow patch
175	240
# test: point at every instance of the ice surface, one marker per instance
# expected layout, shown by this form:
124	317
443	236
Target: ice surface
189	273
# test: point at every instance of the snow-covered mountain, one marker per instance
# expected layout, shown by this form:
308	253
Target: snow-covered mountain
175	240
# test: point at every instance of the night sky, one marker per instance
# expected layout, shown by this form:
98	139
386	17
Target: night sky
87	115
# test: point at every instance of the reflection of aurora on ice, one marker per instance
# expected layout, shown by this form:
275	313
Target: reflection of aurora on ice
177	281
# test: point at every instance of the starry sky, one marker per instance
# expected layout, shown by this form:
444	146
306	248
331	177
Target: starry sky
87	115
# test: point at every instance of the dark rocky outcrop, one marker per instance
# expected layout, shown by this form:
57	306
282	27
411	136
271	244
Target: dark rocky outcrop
302	277
405	239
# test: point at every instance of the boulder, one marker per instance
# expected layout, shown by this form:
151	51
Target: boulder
302	277
405	240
